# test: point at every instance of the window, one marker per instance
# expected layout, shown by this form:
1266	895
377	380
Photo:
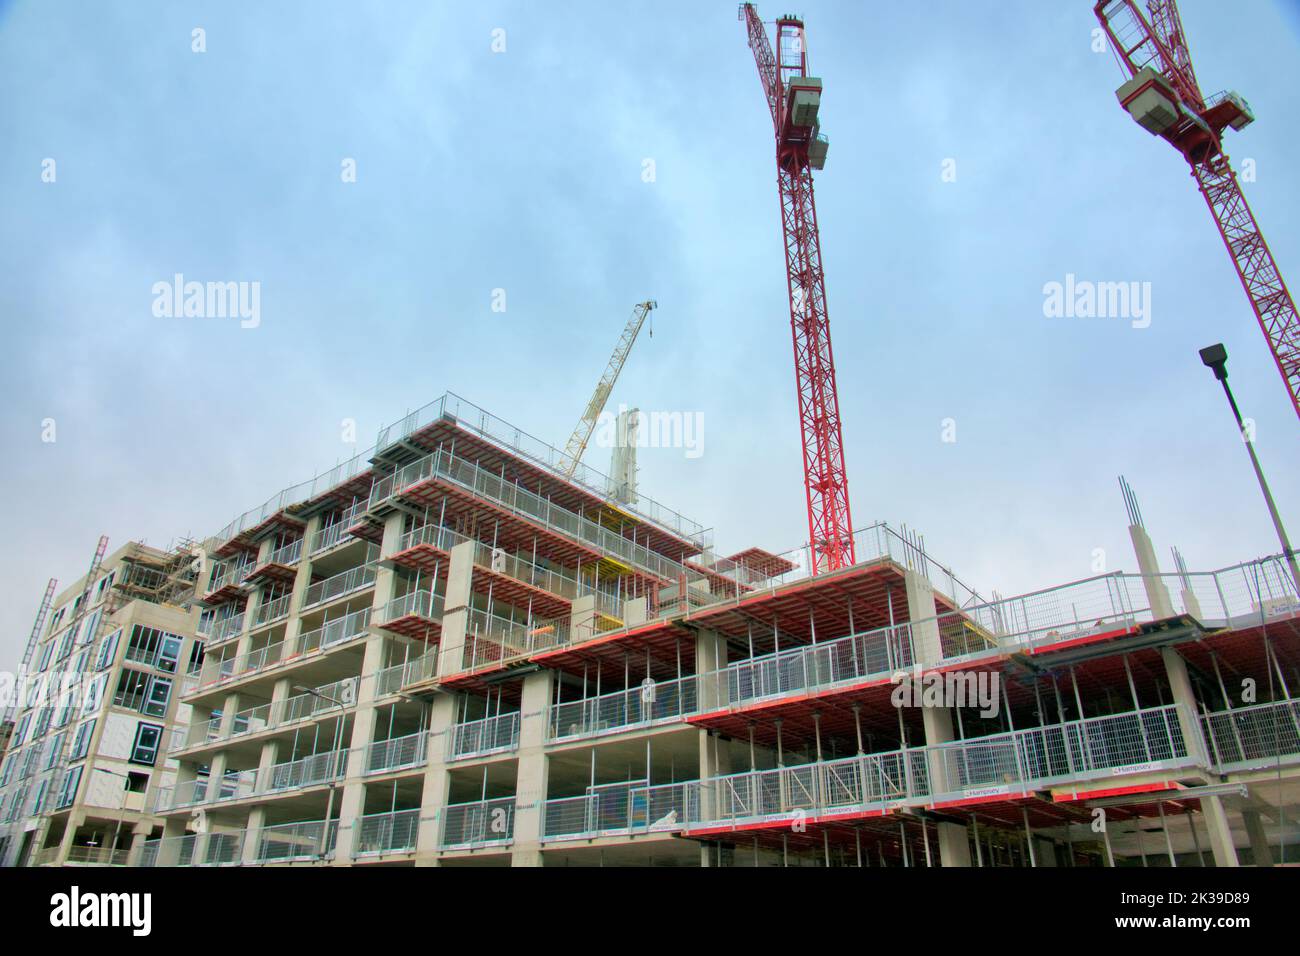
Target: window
20	731
81	742
41	789
42	722
88	627
35	691
131	687
68	789
94	695
148	738
29	764
196	658
153	647
136	782
160	692
65	710
169	653
108	651
46	653
56	749
8	770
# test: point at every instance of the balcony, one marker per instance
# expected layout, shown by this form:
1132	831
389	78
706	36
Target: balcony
272	612
490	735
339	585
415	480
278	566
217	672
646	705
621	809
332	633
491	639
194	849
280	843
398	753
392	679
478	824
381	833
269	716
226	629
228	582
808	668
1251	737
297	842
417	614
306	771
328	536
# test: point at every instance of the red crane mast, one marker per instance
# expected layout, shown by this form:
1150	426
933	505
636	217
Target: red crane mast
1163	96
793	98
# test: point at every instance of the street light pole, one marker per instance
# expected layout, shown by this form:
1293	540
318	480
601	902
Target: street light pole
338	742
1215	357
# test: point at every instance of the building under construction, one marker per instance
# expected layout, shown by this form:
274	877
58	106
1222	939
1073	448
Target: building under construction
445	652
97	705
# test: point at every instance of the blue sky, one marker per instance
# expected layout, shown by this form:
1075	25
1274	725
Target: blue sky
522	171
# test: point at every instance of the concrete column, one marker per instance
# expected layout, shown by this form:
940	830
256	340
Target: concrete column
352	803
532	779
169	850
1149	567
1259	848
301	581
253	835
715	759
139	834
1216	821
455	616
927	646
1212	809
437	779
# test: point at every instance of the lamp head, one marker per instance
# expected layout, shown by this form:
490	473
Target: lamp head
1216	357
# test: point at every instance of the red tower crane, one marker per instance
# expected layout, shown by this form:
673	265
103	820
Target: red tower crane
1162	95
793	97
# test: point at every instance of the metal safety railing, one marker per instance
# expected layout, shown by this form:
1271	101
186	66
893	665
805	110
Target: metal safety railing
397	753
476	738
293	842
379	833
1259	734
649	703
479	823
501	433
338	585
621	809
422	603
269	612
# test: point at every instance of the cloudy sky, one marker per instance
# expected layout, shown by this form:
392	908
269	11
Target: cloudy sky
523	170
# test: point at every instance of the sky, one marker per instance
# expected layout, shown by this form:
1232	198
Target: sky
582	157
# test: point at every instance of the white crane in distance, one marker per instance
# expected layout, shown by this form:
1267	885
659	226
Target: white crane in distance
587	423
